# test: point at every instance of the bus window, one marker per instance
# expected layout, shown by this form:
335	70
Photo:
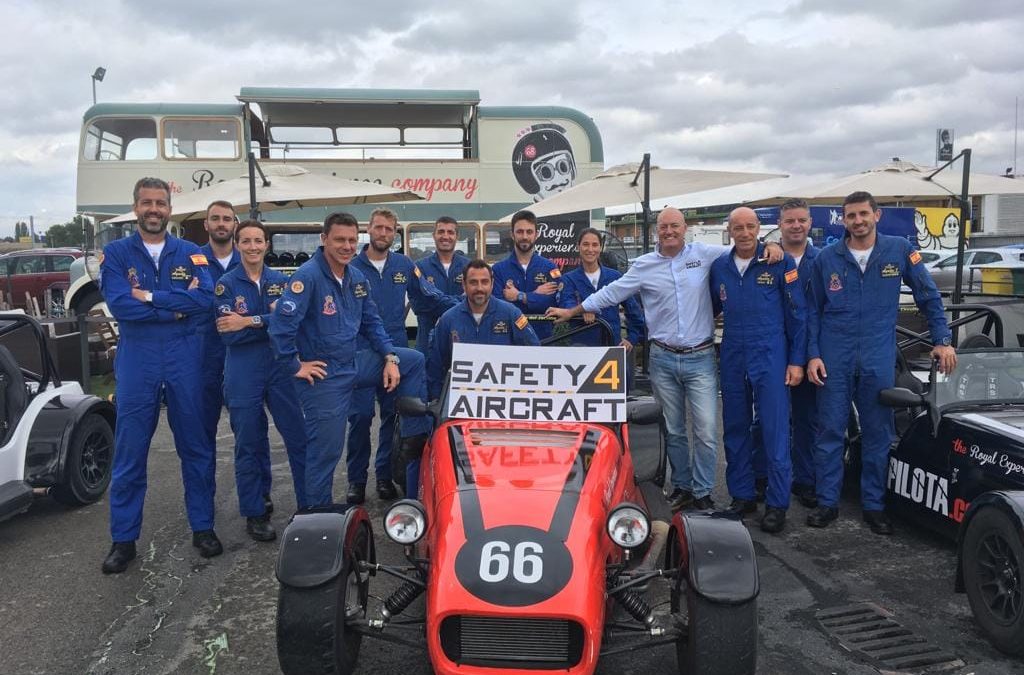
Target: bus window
201	139
117	139
499	241
421	240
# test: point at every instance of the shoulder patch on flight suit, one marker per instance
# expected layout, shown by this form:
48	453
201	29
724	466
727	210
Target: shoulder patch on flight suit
459	279
219	290
791	276
180	273
399	278
890	270
721	293
500	327
133	277
555	273
915	257
416	270
765	279
275	289
522	322
298	286
359	290
199	259
100	258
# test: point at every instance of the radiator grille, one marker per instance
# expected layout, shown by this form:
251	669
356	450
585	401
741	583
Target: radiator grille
506	642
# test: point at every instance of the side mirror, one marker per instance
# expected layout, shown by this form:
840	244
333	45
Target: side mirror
411	406
646	411
900	397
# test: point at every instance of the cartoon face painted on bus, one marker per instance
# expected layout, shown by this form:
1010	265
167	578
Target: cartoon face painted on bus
543	161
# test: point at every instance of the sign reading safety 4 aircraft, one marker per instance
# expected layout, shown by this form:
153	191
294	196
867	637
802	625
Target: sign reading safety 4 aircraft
556	384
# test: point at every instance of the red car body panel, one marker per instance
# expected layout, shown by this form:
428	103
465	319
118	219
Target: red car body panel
553	484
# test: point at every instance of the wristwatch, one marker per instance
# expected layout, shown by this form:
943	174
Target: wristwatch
256	320
521	297
392	358
149	296
946	341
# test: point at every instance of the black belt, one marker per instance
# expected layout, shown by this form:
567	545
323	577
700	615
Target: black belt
710	342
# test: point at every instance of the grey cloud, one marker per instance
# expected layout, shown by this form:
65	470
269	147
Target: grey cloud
912	14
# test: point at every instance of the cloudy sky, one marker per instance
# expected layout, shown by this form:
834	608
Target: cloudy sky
805	87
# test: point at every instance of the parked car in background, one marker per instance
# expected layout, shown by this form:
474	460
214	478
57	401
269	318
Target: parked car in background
944	271
929	257
33	271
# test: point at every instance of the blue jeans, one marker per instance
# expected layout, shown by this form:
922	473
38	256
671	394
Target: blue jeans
677	378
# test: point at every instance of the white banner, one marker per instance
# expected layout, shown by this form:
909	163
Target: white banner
556	384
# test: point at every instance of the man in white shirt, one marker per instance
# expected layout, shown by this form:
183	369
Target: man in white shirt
673	285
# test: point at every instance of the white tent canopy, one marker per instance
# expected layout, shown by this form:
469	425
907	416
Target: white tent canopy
290	187
613	187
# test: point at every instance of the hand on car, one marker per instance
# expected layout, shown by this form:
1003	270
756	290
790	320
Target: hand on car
561	315
589	317
946	356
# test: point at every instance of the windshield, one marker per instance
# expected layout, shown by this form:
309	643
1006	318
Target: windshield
983	377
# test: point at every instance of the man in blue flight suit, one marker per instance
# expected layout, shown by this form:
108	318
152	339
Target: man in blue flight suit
220	252
763	352
855	290
526	278
325	308
245	297
391	276
158	288
442	268
479	319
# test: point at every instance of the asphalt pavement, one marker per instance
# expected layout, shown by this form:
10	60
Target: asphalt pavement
175	612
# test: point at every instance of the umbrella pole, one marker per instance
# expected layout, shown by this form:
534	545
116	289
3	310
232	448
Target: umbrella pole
961	240
645	206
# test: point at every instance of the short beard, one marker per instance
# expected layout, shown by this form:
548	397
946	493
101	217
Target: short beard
524	247
216	238
160	228
376	246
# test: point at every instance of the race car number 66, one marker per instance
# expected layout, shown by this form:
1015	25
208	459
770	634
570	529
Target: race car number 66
527	565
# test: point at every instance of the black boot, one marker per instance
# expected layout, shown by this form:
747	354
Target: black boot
386	490
207	543
121	553
268	504
774	520
260	528
356	493
821	516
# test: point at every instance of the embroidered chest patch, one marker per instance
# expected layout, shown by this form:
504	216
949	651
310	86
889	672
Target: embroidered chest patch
180	273
890	270
721	292
500	327
275	289
359	290
133	277
399	278
834	284
240	306
692	264
765	279
330	309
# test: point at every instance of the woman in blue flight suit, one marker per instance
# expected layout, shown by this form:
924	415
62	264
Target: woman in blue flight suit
578	285
245	298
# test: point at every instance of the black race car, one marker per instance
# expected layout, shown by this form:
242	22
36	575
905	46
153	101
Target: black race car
958	468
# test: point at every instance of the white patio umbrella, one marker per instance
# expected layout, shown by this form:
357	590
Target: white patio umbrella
290	186
612	187
900	180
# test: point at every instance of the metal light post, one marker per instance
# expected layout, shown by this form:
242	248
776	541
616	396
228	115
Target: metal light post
97	77
966	216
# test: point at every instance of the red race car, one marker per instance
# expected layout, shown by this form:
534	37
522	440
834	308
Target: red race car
533	544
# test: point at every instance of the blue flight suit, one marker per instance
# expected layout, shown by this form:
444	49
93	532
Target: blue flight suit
213	352
501	324
852	328
803	411
252	378
388	289
158	358
765	330
539	271
576	288
320	319
449	283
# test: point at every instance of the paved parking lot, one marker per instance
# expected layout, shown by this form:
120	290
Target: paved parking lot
174	612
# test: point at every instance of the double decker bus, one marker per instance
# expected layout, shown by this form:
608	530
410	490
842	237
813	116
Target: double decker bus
472	162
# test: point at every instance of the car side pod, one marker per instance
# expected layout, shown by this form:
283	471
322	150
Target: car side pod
324	589
990	566
716	573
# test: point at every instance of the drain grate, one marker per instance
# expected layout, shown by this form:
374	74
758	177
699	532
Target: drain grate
869	630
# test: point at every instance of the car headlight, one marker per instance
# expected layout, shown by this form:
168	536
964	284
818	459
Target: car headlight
628	525
405	522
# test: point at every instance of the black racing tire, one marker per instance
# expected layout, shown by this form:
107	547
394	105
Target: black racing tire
89	463
312	635
89	301
993	571
720	639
